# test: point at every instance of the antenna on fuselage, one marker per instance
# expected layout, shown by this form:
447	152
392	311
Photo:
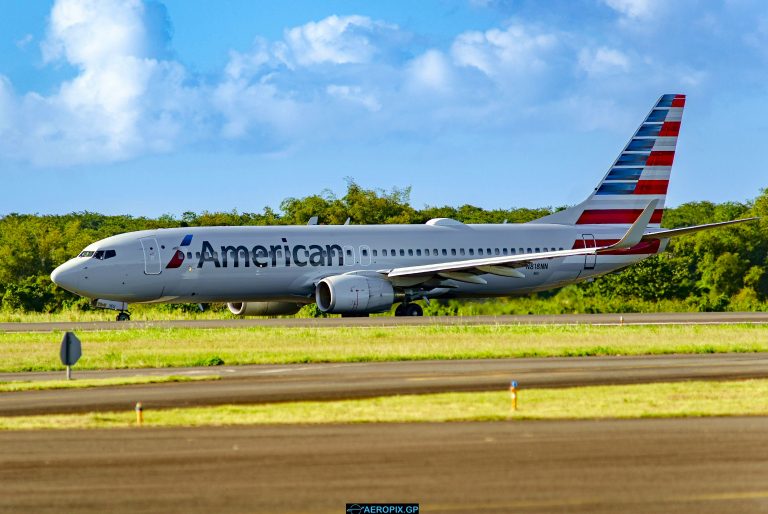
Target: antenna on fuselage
312	220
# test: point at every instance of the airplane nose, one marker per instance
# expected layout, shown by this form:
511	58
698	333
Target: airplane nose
64	276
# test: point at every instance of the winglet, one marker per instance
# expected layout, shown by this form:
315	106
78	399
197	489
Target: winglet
635	233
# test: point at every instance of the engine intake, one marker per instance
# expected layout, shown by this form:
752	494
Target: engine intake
263	308
351	294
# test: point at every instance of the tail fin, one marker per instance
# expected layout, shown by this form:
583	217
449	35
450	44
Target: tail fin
638	175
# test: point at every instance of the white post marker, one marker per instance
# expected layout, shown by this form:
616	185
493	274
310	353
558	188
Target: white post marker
70	352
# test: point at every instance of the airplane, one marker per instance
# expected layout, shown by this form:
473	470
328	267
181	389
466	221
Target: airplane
356	270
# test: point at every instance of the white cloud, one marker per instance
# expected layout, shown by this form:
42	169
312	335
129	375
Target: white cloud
24	41
603	61
430	71
340	77
496	52
121	103
634	9
354	94
334	40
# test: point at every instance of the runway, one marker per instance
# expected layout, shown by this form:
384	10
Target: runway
710	465
690	318
279	383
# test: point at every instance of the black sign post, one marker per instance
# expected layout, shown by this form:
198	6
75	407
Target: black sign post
70	352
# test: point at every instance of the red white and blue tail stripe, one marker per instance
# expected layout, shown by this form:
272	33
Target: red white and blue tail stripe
638	175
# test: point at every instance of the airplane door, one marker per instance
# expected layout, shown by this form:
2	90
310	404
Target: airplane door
365	255
589	242
152	265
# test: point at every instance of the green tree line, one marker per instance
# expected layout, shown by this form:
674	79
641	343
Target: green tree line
712	270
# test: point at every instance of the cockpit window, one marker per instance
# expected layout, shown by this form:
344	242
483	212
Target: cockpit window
98	254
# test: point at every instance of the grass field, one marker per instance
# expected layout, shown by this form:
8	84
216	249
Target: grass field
679	399
266	345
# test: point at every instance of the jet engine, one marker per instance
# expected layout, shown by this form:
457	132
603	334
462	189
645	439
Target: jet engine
354	294
263	308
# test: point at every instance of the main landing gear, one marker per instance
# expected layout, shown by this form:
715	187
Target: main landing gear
409	309
123	316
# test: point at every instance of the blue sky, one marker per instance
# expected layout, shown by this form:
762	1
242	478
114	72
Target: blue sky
156	107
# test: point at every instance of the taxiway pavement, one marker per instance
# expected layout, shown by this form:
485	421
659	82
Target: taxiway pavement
279	383
710	465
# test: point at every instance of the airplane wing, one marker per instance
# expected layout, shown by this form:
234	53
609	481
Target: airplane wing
467	270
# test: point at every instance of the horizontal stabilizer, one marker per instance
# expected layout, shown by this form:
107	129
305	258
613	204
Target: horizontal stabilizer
676	232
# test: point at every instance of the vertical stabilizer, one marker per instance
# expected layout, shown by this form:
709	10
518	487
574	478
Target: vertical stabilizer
639	174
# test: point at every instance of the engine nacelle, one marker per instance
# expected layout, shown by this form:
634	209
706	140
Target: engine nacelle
352	294
263	308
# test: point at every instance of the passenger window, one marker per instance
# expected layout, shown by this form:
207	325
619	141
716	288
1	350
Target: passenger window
445	252
489	251
461	251
402	252
384	252
410	252
375	253
504	251
453	251
512	251
496	251
471	251
189	255
479	251
561	248
197	255
537	250
529	250
418	252
349	253
365	252
434	252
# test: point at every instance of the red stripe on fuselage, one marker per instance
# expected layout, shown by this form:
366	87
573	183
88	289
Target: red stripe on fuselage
605	216
643	247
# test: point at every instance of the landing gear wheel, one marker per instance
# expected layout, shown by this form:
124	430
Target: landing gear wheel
414	309
123	316
400	310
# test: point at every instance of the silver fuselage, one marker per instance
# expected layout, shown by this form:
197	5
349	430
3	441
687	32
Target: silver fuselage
233	264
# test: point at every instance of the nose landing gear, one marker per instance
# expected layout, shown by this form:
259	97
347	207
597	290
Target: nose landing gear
113	305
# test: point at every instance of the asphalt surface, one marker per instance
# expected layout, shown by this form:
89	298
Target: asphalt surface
277	383
390	321
711	465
